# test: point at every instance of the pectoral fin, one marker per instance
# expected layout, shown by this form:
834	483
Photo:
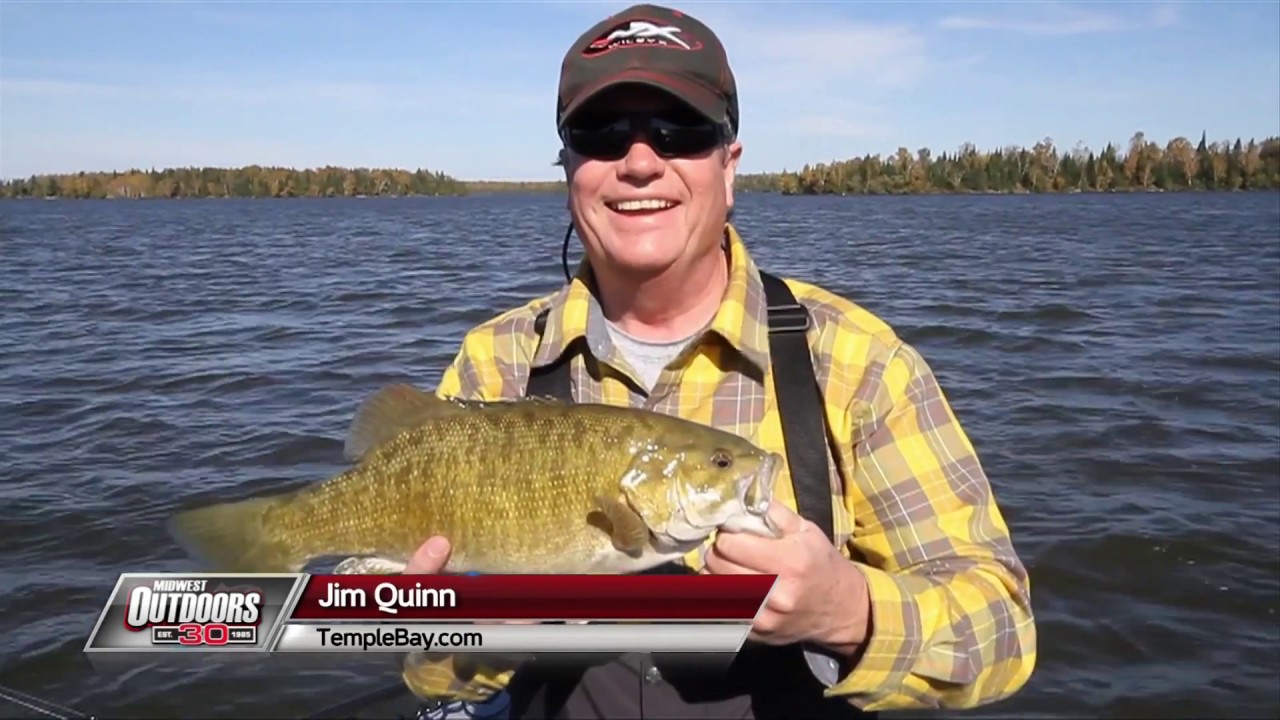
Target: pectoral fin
626	529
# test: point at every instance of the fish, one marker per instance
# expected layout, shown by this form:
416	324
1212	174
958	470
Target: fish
529	485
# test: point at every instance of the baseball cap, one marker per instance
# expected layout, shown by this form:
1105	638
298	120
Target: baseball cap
655	46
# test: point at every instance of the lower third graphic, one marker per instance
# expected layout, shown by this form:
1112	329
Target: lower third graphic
194	612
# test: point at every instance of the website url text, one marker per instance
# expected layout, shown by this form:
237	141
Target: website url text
401	638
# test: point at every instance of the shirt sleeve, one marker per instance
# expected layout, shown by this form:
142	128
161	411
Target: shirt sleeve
951	617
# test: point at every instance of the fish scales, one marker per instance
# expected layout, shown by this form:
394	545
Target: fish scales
443	485
516	486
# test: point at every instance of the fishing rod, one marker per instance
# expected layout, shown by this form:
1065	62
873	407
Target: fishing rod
344	709
44	707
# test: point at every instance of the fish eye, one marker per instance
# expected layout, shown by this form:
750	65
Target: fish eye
722	459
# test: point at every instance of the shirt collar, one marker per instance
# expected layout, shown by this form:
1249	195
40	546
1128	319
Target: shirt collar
741	320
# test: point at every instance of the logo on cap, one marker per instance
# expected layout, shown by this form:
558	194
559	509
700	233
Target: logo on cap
640	33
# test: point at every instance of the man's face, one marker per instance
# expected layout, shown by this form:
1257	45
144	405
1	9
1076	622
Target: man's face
641	213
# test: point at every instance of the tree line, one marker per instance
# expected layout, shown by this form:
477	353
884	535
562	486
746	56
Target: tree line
254	181
1144	166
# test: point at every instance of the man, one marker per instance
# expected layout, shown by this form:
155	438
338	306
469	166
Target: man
919	599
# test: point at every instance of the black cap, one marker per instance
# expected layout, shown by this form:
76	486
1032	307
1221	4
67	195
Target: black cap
655	46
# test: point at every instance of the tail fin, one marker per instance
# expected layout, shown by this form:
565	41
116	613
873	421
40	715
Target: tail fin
234	537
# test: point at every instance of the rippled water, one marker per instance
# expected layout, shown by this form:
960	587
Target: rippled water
1116	360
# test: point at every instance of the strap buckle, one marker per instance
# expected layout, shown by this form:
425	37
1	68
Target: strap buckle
792	318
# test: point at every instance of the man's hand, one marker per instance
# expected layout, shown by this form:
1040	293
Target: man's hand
819	595
431	558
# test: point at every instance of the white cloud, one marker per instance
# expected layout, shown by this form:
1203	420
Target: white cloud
1166	16
104	151
892	57
788	56
230	90
1060	20
820	77
1090	23
836	126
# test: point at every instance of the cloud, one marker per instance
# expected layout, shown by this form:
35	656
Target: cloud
1059	20
233	91
1166	16
823	76
836	126
785	56
105	151
236	20
52	89
1093	23
176	118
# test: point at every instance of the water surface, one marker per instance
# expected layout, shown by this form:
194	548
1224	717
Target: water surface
1115	359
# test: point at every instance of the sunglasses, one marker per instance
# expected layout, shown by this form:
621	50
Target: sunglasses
609	136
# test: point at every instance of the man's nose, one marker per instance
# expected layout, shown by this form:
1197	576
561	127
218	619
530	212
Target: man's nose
641	161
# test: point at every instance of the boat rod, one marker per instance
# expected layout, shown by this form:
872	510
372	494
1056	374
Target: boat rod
44	707
54	710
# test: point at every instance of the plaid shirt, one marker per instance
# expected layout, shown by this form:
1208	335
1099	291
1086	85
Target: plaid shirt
951	613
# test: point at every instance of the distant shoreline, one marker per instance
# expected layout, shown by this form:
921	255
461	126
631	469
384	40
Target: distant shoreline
739	191
1178	166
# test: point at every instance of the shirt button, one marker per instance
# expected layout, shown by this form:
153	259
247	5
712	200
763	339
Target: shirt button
652	676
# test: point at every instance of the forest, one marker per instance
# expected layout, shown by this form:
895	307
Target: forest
254	181
1144	165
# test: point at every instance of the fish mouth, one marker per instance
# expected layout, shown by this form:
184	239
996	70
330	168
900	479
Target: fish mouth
756	492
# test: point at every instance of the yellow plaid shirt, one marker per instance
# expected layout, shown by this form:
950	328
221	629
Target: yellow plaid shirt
951	612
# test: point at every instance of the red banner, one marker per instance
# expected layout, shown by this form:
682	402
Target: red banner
533	597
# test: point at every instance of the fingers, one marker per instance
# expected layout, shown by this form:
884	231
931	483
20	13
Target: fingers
745	551
430	558
717	563
785	519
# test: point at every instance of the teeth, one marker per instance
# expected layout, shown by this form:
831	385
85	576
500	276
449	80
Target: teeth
652	204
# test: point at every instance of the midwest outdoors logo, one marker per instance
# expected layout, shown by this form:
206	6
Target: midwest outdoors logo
641	33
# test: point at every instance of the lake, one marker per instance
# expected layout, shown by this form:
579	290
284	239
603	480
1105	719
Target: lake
1114	358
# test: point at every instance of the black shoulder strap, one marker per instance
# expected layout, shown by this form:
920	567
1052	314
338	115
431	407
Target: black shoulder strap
800	405
551	380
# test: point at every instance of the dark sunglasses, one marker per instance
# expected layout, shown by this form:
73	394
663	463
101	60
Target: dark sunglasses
610	136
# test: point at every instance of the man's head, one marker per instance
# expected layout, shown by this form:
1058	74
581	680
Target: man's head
648	114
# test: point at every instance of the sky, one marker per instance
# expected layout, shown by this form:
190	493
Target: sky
468	88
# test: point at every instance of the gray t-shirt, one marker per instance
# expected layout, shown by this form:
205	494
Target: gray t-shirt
648	357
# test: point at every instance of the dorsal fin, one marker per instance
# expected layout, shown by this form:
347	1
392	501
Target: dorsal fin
543	399
389	412
463	404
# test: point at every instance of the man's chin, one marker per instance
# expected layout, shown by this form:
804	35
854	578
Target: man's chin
641	269
639	258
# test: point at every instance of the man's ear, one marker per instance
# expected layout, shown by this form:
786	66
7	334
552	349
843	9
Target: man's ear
562	161
732	155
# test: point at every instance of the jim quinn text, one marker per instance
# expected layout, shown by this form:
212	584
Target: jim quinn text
388	598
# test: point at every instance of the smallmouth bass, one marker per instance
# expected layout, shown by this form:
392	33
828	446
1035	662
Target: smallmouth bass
531	485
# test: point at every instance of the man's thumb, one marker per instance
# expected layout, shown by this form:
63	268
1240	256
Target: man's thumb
431	557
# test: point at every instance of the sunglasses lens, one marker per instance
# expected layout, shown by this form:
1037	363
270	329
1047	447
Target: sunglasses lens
609	138
682	140
602	143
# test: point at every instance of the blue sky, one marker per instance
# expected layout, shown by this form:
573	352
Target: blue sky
469	88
